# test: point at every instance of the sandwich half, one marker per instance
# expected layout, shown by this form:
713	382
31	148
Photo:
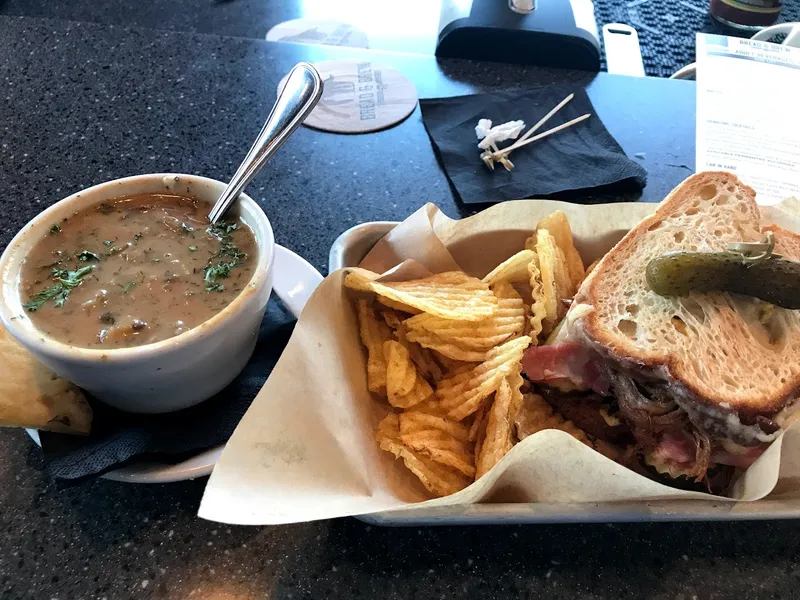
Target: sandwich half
701	381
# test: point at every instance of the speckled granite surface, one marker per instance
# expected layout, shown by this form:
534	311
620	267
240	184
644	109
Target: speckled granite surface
81	104
241	18
666	29
85	103
115	541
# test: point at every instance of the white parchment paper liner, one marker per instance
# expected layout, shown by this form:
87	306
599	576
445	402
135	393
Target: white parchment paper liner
305	450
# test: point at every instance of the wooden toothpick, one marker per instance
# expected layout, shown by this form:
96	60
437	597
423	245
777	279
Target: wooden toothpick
544	119
505	151
501	155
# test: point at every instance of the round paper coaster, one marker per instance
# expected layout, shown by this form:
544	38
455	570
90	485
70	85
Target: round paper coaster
360	97
318	32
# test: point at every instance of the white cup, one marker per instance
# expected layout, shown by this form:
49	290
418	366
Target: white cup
171	374
790	30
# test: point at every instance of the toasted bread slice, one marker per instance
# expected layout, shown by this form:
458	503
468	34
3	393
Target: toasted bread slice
736	353
32	396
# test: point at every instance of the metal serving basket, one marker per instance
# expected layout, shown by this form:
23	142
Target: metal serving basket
347	251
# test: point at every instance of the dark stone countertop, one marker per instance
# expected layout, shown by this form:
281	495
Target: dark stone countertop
80	104
666	29
239	18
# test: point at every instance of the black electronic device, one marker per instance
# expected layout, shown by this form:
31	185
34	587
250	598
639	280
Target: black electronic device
547	33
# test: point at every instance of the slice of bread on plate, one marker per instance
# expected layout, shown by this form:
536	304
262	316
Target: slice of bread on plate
32	396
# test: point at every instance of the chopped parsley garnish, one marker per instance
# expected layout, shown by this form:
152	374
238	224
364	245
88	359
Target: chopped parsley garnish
65	281
213	273
126	289
54	229
108	243
86	256
137	237
219	230
192	248
229	256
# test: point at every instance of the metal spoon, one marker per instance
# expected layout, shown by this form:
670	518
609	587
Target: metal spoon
298	98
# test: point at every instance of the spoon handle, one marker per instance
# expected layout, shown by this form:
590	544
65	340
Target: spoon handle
298	98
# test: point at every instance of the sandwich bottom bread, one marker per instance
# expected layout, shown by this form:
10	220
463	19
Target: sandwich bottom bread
695	385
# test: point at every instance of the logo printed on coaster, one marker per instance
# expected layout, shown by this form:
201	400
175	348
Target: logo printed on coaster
360	97
317	32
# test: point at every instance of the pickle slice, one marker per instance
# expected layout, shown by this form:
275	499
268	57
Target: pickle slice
774	280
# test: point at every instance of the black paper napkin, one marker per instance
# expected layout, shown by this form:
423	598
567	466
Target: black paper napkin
580	157
119	438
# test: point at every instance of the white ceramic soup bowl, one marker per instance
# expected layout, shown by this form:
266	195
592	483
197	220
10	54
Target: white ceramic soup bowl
164	376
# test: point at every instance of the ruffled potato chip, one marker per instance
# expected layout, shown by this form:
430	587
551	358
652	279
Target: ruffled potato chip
538	310
421	392
397	305
512	270
458	338
462	394
414	421
558	226
431	406
536	415
451	295
439	479
479	420
556	283
422	357
401	374
440	439
498	439
373	335
426	339
516	382
360	281
405	387
450	365
480	436
466	337
530	243
484	335
392	319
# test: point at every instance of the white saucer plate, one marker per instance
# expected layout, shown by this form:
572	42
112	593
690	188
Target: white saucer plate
294	280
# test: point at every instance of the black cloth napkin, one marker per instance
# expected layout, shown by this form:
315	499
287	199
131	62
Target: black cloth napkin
580	157
119	438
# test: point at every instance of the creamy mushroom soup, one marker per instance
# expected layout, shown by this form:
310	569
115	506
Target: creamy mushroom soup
134	271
